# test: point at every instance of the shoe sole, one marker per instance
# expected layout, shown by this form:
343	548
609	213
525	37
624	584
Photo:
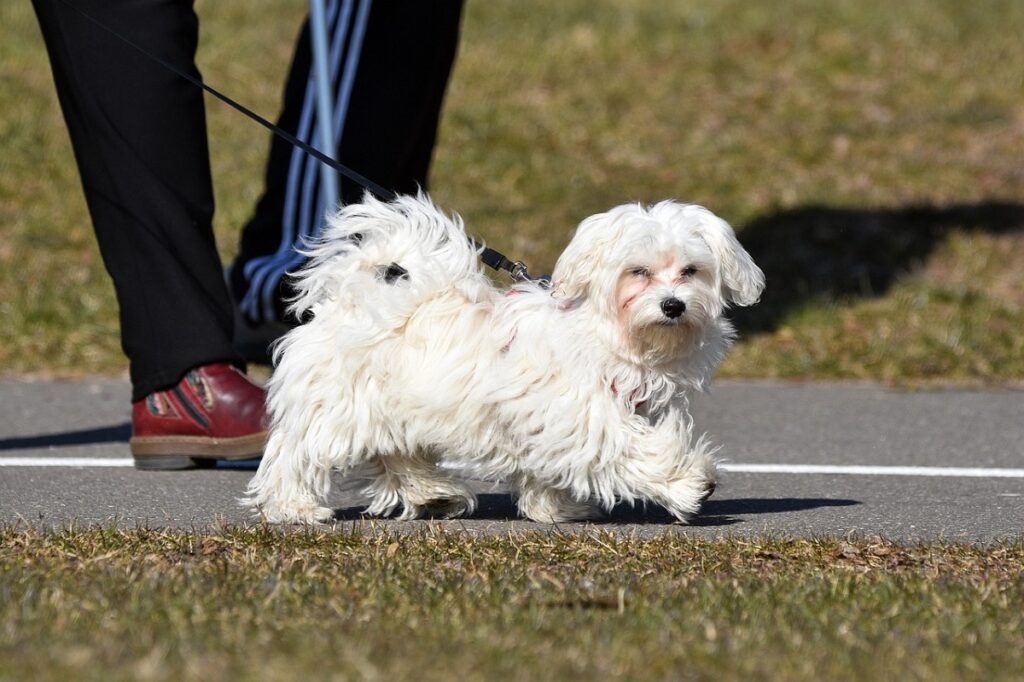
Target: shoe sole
175	453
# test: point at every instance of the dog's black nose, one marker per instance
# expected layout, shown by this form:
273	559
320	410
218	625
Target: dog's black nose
672	307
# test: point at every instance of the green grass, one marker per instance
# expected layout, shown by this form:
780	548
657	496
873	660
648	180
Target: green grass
817	127
254	603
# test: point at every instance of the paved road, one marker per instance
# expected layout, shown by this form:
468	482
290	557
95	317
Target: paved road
756	422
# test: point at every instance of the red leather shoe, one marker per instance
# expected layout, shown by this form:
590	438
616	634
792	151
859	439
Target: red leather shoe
215	412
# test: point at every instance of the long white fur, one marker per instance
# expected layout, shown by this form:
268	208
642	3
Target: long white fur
438	376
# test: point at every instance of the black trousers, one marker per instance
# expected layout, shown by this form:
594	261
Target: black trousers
390	62
139	138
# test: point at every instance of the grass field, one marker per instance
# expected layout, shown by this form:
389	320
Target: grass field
257	604
871	153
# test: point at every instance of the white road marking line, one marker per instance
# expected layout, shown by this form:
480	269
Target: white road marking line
65	462
861	470
827	469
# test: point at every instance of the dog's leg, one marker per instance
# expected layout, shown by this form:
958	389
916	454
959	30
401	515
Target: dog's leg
664	466
288	488
420	487
545	504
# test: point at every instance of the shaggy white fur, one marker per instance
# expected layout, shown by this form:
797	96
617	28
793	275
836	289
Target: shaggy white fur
415	371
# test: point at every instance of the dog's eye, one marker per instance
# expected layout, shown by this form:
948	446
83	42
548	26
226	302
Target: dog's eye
640	272
688	272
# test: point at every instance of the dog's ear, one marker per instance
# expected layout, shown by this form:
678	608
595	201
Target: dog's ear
572	275
581	261
742	280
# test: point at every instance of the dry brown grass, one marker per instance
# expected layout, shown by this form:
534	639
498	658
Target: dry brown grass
248	603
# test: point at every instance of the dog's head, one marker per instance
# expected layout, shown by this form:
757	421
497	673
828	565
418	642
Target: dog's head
660	273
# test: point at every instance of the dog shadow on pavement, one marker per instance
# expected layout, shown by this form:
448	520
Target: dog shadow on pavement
501	507
722	512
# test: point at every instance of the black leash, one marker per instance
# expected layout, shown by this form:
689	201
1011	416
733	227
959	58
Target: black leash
490	257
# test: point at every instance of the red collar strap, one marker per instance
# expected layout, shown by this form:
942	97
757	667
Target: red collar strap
637	406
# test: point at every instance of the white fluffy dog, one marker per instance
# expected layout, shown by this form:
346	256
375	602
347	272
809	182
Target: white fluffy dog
414	371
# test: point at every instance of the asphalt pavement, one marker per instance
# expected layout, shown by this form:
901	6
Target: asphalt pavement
802	459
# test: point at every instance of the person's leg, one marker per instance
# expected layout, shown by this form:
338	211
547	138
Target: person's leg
390	65
139	136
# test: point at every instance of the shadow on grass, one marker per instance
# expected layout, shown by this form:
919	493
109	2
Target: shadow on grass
501	507
118	433
834	253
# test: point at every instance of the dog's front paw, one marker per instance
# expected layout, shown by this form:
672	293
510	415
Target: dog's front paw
442	508
299	513
548	505
452	507
684	497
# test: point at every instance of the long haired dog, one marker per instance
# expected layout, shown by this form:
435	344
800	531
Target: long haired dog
413	371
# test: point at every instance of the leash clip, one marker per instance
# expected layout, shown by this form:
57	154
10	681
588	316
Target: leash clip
518	272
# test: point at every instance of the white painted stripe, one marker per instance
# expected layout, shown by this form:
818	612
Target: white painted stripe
65	462
826	469
861	470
